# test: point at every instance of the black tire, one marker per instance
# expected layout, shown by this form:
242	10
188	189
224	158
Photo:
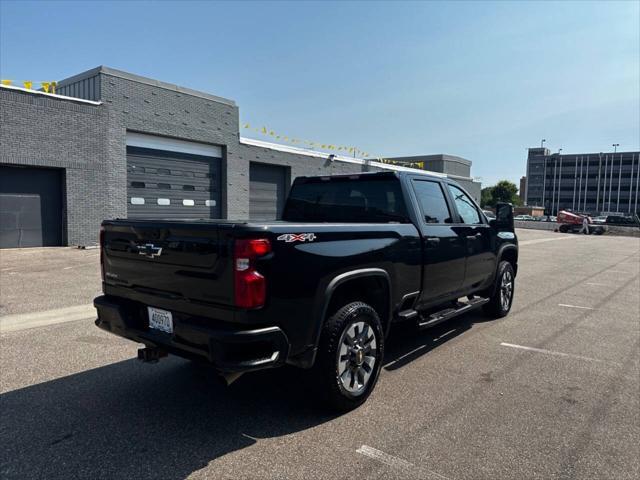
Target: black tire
343	390
498	305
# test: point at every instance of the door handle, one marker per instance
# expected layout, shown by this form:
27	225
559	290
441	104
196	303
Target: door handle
475	235
432	241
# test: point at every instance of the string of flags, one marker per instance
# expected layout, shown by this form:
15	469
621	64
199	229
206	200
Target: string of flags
355	151
48	87
310	143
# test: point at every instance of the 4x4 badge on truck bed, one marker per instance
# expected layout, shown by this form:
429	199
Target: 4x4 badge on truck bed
297	237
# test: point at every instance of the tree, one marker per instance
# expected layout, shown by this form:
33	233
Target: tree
505	191
486	197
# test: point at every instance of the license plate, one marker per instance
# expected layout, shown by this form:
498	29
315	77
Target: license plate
160	320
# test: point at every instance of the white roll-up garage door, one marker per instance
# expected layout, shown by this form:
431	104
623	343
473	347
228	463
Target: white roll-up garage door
168	178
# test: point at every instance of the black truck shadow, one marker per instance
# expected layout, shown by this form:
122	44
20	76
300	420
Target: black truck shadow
405	343
131	420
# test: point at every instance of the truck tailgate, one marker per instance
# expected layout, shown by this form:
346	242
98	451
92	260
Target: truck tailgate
182	261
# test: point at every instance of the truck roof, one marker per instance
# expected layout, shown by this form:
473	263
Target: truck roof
354	176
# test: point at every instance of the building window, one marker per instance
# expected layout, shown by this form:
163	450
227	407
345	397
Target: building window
163	171
189	188
164	201
137	201
137	184
164	186
210	203
188	203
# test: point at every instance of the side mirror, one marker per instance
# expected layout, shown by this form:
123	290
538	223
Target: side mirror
504	218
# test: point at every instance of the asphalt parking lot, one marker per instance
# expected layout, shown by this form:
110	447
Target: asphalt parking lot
551	391
36	279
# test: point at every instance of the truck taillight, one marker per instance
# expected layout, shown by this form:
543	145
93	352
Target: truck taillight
102	252
250	285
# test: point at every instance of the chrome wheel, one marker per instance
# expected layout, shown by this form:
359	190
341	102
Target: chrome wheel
356	357
506	290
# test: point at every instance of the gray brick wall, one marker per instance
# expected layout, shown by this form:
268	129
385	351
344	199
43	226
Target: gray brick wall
89	142
37	130
154	110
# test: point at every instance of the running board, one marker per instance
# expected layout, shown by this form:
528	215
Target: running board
407	314
448	313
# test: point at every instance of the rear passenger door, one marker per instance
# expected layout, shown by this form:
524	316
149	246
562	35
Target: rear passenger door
443	248
481	259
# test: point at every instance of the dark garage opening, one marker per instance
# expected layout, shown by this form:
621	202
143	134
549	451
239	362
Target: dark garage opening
267	191
31	213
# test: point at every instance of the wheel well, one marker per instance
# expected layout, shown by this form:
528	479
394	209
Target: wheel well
511	256
372	290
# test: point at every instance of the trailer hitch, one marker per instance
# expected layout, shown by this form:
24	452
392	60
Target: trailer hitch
151	354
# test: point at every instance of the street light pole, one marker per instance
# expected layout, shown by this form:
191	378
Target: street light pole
615	147
542	142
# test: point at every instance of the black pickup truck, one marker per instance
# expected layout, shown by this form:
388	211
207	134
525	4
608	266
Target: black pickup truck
320	289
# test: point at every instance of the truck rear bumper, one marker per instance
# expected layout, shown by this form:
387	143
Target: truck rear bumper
228	349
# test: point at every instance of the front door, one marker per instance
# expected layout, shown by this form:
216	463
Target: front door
481	259
443	248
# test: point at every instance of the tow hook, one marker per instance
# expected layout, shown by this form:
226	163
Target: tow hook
151	354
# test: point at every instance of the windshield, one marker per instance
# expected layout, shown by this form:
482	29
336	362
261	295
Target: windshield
346	199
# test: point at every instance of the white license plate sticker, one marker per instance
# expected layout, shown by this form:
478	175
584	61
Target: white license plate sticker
160	320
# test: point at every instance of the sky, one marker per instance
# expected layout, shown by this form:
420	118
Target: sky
482	80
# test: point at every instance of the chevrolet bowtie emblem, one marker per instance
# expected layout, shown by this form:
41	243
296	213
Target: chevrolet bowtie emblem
149	250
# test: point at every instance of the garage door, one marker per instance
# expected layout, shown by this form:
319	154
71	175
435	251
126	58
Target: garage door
164	184
30	207
267	191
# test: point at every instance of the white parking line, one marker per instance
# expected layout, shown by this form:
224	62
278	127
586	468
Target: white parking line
597	284
542	240
82	265
575	306
385	458
396	462
552	352
22	321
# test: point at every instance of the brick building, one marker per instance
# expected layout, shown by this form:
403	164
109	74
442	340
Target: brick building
112	144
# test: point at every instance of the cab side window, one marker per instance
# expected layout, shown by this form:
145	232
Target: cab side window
466	208
432	202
